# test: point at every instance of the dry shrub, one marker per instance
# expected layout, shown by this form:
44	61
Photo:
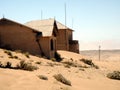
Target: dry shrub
85	66
15	57
38	62
43	77
60	78
8	65
70	63
22	65
67	66
1	65
53	59
86	61
114	75
27	54
65	88
23	52
8	53
89	62
81	69
26	66
50	64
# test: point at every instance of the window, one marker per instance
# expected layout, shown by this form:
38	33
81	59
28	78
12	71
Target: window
52	44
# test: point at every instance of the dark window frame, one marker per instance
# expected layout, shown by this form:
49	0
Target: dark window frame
51	45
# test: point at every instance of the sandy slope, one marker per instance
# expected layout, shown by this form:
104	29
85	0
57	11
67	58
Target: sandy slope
89	79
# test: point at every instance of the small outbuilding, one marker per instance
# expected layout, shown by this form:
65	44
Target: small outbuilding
40	41
65	39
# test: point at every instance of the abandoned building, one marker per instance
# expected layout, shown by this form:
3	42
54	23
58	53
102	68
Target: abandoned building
64	37
39	37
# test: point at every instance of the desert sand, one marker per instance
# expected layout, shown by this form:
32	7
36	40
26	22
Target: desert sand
81	78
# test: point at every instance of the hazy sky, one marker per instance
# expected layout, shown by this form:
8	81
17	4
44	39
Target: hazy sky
96	22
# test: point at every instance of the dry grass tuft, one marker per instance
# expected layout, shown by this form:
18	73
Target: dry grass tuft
89	62
38	62
50	64
1	64
9	53
43	77
27	54
60	78
70	63
26	66
8	65
114	75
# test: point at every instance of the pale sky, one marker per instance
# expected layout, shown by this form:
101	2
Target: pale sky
96	22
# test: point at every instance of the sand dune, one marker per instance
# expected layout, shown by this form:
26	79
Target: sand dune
81	78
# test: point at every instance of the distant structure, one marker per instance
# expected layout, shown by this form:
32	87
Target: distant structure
41	37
